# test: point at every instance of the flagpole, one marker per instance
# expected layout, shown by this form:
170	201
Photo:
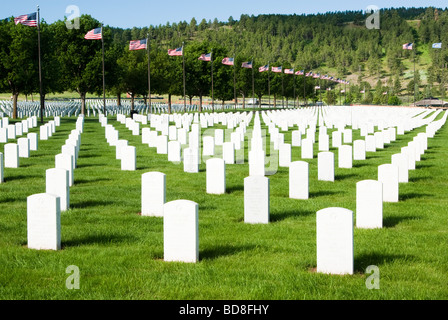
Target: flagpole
42	100
149	75
283	91
234	77
104	79
253	82
213	97
294	84
183	64
269	83
415	84
304	88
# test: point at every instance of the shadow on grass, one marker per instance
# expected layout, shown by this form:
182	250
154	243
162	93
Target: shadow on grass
282	215
83	181
416	179
362	261
323	193
21	177
421	165
103	239
223	250
90	203
413	195
339	177
359	165
236	188
390	222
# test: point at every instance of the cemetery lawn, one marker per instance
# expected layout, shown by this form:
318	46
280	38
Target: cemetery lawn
119	253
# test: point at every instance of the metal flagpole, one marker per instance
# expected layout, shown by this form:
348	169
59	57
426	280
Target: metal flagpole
304	88
104	80
283	91
294	84
415	84
183	64
253	83
269	83
213	98
42	100
234	80
149	75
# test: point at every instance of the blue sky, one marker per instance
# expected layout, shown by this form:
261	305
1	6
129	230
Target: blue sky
140	13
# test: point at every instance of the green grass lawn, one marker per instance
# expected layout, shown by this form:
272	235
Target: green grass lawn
119	253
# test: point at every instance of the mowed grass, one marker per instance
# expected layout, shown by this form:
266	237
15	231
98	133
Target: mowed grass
119	253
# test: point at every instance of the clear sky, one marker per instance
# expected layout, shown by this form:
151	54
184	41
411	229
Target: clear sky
140	13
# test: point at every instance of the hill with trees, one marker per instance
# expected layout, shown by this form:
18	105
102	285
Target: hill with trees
335	44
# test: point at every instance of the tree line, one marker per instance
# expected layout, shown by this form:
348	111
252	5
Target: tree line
337	43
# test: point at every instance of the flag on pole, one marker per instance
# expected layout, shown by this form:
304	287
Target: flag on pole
309	74
227	61
407	46
289	71
362	91
247	64
263	68
437	45
300	72
175	52
29	20
94	34
317	87
206	57
316	75
342	91
137	44
276	69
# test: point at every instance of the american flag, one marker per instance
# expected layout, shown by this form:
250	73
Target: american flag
407	46
29	20
175	52
316	75
263	68
362	91
309	74
316	87
227	61
276	69
247	64
328	89
289	71
94	34
205	57
300	72
137	44
342	91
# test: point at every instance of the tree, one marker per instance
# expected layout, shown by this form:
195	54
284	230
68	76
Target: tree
18	59
134	72
81	59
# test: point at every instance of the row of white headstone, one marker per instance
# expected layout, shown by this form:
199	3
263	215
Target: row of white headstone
44	209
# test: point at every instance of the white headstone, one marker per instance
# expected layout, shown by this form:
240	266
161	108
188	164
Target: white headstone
11	155
65	161
345	156
1	168
215	176
219	137
44	222
162	144
180	231
208	146
334	233
32	136
153	193
307	148
128	158
174	151
228	152
57	183
256	199
120	144
11	131
299	180
3	135
336	139
284	155
324	142
401	161
191	160
325	166
370	143
256	163
369	204
296	138
43	129
388	175
359	150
